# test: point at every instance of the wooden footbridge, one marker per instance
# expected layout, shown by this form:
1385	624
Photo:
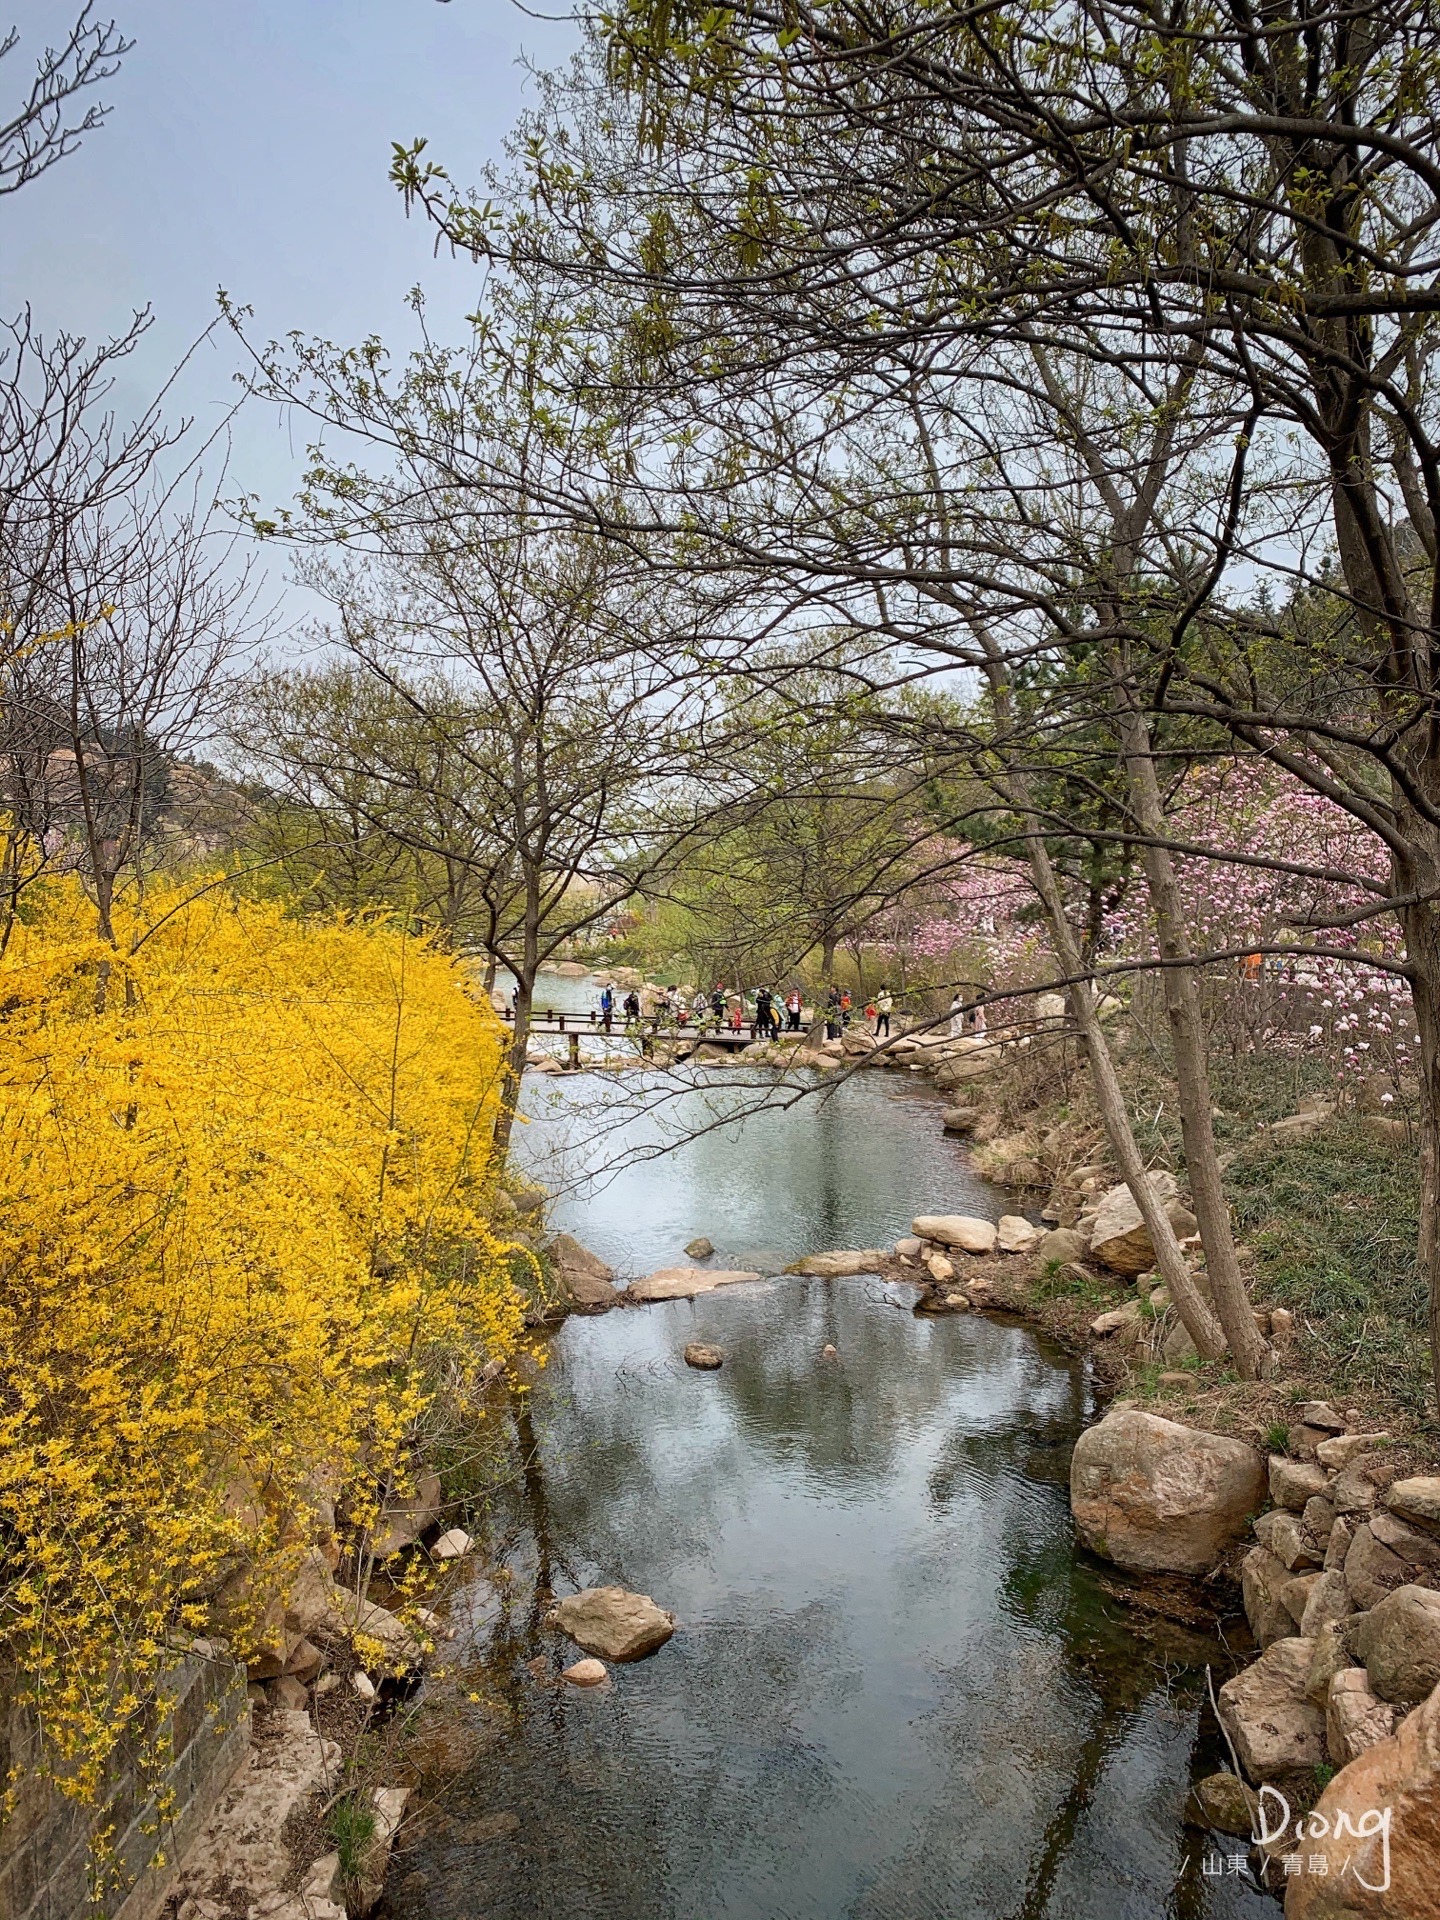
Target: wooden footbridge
684	1036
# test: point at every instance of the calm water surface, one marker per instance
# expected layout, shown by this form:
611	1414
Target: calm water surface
896	1692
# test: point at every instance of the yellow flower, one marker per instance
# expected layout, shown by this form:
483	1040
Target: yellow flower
245	1239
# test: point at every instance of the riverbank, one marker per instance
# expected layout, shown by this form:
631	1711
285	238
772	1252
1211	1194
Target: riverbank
710	1490
1328	1582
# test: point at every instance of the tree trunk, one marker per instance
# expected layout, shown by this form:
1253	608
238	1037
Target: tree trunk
1422	946
1192	1072
1199	1322
514	1065
1195	1314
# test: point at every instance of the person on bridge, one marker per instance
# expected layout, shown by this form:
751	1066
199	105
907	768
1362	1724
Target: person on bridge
794	1006
607	1005
700	1008
717	1003
884	1007
832	1014
764	1014
632	1006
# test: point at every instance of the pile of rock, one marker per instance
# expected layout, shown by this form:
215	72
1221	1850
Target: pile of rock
1345	1578
1342	1591
935	1241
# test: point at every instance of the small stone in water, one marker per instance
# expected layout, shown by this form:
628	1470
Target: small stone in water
586	1673
700	1249
453	1545
697	1354
827	1352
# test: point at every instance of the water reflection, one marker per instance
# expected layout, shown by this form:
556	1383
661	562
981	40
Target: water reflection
644	1163
896	1692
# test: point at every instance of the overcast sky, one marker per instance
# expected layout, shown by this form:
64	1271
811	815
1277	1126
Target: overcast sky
247	148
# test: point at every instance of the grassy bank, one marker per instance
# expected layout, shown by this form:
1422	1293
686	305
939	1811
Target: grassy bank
1327	1223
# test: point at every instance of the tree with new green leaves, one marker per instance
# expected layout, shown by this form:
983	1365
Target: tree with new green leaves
552	682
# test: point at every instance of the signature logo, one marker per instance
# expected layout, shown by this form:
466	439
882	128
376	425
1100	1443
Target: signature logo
1275	1829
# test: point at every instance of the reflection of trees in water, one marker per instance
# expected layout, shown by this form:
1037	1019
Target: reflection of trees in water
644	1458
853	1421
1127	1678
1093	1683
695	1771
849	1159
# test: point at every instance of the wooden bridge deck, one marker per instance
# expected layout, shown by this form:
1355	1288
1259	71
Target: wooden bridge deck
685	1035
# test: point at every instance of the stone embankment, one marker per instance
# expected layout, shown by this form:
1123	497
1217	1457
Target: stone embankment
306	1636
1341	1587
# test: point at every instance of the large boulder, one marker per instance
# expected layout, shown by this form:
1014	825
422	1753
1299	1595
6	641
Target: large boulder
1417	1500
1376	1828
842	1265
318	1609
1295	1595
383	1642
960	1230
1159	1497
1060	1246
1263	1580
1332	1655
1328	1599
1342	1448
1267	1715
1294	1483
613	1624
1371	1569
312	1600
1319	1518
1128	1318
1356	1488
1283	1533
1015	1234
1355	1718
1342	1534
683	1283
1119	1238
1399	1641
1222	1802
406	1516
1410	1544
587	1278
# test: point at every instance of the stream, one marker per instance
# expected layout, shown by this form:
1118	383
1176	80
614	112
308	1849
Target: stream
897	1690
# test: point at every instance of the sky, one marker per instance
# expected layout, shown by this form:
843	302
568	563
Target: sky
248	147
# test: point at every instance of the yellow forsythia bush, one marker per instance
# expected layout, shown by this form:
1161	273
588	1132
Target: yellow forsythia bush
243	1234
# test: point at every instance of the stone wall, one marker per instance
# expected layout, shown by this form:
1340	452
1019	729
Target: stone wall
45	1854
